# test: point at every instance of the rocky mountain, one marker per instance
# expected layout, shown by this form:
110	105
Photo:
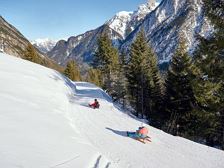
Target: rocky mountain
125	22
14	43
82	47
163	25
170	21
44	45
11	40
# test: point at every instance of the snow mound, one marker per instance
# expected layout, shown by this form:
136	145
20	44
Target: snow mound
45	122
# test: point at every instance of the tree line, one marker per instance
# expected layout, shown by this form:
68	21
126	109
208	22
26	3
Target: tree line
30	53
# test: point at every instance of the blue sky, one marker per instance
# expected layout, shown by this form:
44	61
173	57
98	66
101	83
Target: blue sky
57	19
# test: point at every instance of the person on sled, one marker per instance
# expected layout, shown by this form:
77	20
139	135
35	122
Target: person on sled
95	104
141	134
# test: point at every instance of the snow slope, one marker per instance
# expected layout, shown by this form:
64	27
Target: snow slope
45	123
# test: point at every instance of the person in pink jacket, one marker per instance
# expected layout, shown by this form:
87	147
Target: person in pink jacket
141	134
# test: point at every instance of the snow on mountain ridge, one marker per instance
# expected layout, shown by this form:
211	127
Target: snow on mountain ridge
119	22
124	22
44	45
144	9
171	20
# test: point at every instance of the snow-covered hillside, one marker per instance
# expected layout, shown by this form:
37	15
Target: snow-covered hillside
45	123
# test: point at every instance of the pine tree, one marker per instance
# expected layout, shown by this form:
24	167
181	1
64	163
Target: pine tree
72	71
157	93
94	76
136	75
209	59
121	83
106	60
214	9
31	55
180	99
142	73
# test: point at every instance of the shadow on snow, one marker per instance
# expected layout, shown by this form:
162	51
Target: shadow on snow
121	133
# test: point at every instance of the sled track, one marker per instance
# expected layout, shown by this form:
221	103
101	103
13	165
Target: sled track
65	162
100	160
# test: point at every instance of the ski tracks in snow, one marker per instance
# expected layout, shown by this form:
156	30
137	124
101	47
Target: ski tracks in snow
65	162
100	162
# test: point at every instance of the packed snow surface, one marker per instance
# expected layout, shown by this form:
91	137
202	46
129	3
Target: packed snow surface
45	123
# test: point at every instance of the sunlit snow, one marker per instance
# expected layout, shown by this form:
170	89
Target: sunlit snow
45	122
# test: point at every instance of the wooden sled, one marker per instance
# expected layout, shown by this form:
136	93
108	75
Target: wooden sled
144	140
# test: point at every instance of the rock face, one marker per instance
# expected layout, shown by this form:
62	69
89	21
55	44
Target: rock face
163	26
11	40
82	47
171	20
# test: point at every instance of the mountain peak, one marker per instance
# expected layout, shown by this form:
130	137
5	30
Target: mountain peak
119	22
149	6
123	13
124	22
44	45
151	3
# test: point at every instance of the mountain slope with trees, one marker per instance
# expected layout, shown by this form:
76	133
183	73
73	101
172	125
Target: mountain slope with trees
14	43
